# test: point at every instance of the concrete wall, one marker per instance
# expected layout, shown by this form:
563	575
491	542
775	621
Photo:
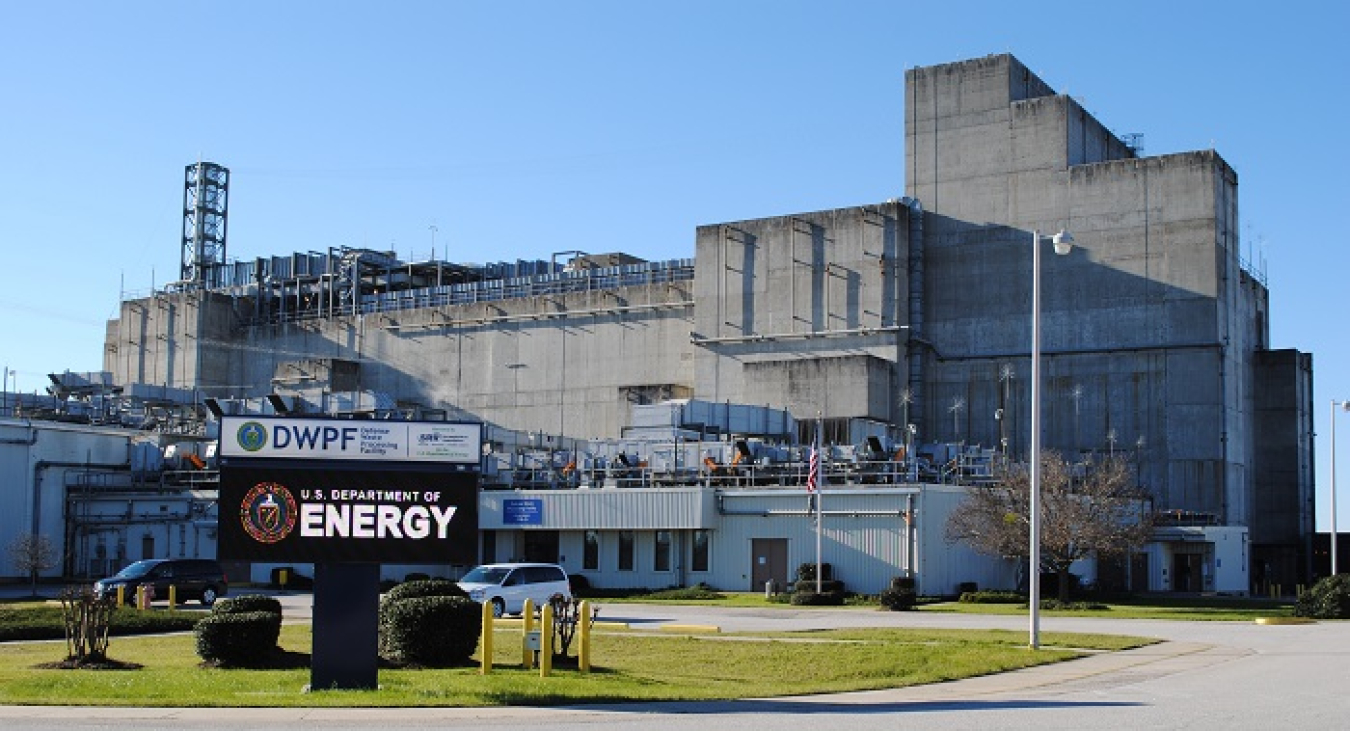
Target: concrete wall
1283	462
774	294
1148	325
560	364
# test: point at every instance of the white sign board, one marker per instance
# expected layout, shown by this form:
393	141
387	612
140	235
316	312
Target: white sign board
333	439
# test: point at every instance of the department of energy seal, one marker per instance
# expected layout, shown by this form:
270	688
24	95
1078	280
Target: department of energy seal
251	436
268	512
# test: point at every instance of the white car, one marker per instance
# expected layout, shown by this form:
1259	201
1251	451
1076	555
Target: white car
508	585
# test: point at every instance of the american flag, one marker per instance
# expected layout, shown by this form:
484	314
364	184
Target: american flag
813	474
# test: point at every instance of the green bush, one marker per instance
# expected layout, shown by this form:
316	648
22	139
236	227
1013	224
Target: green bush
993	597
823	599
1329	598
432	631
1057	605
424	587
826	587
807	572
239	639
698	591
247	603
900	596
46	623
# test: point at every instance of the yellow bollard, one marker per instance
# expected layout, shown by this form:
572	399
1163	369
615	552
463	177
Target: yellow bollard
173	596
546	641
121	594
584	637
140	597
485	666
526	626
283	576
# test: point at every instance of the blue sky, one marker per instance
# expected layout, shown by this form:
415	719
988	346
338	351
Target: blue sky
518	129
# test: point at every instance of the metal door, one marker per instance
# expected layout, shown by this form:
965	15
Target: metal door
768	558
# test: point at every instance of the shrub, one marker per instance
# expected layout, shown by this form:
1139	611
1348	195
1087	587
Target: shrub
425	587
1057	605
433	631
993	597
900	596
823	599
1329	598
698	591
826	587
807	572
239	639
247	603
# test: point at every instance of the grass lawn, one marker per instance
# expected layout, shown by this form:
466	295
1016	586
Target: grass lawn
627	667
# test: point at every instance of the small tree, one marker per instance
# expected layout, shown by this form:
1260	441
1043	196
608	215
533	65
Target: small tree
32	554
87	617
1101	512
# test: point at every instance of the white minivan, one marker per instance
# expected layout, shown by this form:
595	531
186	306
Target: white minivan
508	585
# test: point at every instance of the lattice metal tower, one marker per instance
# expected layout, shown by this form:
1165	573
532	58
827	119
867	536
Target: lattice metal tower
206	193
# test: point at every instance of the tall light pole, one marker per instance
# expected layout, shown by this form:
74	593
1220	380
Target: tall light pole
1345	406
1063	242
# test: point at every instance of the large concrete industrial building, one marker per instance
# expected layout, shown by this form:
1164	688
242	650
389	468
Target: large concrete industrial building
677	393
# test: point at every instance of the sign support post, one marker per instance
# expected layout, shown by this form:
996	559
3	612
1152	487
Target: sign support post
345	650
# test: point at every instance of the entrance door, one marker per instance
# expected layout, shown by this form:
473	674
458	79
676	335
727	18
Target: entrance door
541	546
1139	573
1186	568
768	558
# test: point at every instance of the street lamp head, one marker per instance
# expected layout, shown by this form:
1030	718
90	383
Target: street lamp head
1345	405
1063	242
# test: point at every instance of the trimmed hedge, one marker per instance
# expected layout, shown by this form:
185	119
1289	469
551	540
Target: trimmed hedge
46	622
993	597
248	603
698	591
424	587
812	599
900	596
807	572
432	631
1329	598
239	639
826	587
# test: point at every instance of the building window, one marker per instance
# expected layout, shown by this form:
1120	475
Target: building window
699	558
661	556
590	555
625	550
489	546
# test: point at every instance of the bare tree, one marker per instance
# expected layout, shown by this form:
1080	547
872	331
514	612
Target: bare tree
1092	509
32	554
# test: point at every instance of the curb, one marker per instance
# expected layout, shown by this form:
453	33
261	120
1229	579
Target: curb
1284	620
692	628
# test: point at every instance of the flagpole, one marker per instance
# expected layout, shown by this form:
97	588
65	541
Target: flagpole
820	512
